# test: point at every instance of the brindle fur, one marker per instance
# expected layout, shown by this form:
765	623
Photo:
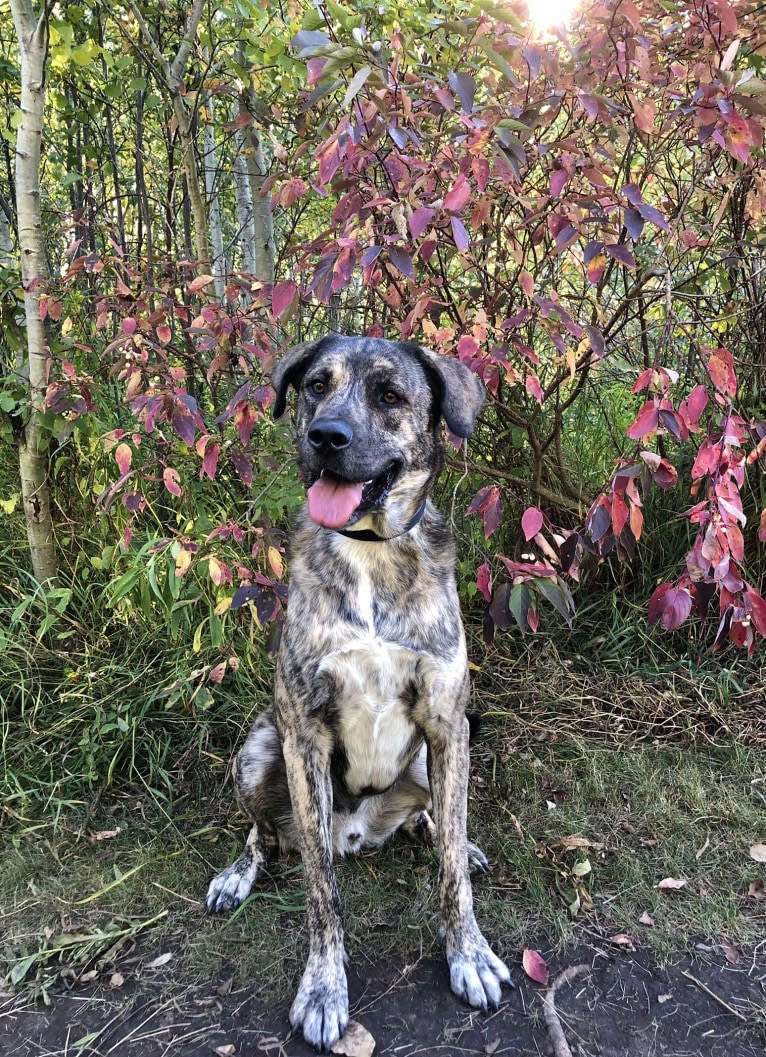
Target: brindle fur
368	727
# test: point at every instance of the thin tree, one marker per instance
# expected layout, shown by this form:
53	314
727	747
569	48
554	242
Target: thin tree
32	34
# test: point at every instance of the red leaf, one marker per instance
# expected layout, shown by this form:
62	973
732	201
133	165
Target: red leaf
676	606
720	367
124	456
210	461
282	296
164	334
457	197
527	283
619	514
419	220
531	522
492	514
757	609
533	386
459	233
535	967
645	422
484	581
696	402
559	179
657	602
129	326
170	479
199	283
762	527
643	114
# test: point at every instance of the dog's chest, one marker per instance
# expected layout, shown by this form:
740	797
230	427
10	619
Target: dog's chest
374	700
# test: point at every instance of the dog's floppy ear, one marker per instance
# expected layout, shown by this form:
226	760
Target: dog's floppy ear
458	392
290	369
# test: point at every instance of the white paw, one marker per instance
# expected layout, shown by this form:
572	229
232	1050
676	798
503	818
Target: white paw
229	888
320	1008
476	973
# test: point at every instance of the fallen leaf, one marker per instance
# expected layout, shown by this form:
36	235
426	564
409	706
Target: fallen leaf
758	852
663	998
647	919
756	890
650	842
578	842
103	834
161	959
225	987
535	967
622	940
627	826
730	952
355	1042
116	980
671	883
490	1048
226	1050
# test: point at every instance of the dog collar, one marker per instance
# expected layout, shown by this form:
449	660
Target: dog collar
368	536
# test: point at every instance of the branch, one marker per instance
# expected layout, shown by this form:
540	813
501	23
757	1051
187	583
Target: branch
186	45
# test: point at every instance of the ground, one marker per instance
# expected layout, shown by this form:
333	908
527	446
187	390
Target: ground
622	1006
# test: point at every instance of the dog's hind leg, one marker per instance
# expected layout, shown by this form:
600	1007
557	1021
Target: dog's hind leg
231	886
262	794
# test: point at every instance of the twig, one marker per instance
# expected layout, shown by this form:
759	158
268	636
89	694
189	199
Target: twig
552	1021
716	998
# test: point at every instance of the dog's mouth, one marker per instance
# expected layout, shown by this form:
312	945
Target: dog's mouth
335	502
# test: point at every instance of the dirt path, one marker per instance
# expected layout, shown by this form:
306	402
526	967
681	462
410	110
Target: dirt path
624	1006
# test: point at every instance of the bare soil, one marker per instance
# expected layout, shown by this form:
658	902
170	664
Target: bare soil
625	1005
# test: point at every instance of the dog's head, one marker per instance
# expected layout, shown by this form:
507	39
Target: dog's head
368	422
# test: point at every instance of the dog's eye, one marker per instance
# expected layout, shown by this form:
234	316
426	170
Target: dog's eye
317	387
390	398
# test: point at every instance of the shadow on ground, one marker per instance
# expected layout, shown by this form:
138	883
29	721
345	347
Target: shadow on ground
624	1005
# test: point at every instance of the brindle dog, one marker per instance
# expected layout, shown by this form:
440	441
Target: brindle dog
368	727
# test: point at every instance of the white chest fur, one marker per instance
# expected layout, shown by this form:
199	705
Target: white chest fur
374	688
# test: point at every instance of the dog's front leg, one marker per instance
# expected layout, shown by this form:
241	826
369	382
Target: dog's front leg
476	973
320	1008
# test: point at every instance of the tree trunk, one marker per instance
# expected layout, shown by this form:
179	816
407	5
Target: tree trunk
33	448
244	207
262	218
214	202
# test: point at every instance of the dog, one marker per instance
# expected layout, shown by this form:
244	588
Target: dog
368	727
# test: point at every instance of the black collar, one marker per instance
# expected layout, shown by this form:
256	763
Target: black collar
368	536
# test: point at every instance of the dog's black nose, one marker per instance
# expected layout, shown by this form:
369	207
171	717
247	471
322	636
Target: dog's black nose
330	434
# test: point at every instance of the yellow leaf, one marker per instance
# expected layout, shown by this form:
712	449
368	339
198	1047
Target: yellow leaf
571	358
223	606
66	326
275	561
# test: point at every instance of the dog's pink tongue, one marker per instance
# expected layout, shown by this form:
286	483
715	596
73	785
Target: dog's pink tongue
332	502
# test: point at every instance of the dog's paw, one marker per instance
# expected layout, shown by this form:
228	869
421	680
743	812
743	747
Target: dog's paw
477	860
230	887
320	1008
477	974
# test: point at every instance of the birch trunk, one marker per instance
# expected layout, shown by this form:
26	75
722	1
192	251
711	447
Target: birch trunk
262	218
33	448
244	207
214	202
